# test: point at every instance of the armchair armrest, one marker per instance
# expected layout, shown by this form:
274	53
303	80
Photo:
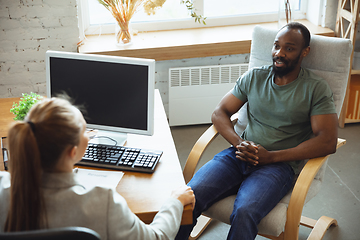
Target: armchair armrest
199	148
300	191
197	151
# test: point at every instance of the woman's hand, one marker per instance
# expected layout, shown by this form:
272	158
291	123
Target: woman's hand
185	195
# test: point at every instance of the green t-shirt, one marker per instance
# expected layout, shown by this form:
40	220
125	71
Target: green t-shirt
279	116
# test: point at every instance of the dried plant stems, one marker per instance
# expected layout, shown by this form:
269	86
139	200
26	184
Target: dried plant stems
150	6
287	11
122	11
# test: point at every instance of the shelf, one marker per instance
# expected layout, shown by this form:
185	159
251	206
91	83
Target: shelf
355	71
186	43
348	120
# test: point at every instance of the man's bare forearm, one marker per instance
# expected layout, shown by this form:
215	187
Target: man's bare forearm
225	127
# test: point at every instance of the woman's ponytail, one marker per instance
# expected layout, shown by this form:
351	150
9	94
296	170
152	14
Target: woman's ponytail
26	199
36	145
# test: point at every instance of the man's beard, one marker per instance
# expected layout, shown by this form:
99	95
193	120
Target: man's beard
289	66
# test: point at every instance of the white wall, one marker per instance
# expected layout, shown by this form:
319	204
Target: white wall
30	27
27	29
330	11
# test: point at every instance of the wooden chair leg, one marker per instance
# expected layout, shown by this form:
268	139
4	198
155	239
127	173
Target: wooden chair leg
320	227
307	222
202	223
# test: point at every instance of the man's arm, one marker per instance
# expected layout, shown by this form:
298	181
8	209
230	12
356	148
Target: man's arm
324	128
221	118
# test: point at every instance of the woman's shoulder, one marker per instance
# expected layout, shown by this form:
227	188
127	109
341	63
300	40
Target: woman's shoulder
4	179
4	173
4	196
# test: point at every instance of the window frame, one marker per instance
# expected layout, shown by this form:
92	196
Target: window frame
86	29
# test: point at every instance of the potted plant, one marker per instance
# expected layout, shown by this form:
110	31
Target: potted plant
123	11
21	109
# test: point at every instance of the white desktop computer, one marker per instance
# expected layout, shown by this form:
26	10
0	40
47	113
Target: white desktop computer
117	93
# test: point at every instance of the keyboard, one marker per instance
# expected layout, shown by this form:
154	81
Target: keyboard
120	158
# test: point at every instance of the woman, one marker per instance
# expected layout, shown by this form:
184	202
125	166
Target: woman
42	191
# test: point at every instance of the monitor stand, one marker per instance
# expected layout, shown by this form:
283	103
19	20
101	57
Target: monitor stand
109	138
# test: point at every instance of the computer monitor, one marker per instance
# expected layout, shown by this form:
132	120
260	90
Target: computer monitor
117	92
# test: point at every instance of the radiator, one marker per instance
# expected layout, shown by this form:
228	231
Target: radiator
194	92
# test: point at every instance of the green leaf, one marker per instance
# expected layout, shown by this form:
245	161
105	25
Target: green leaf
21	109
190	6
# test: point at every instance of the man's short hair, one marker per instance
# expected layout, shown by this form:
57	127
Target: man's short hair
304	31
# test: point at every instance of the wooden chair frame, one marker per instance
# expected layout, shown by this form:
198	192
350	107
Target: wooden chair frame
297	200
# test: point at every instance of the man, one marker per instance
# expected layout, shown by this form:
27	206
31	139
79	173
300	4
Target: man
287	104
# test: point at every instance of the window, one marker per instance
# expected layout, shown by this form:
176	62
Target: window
236	7
171	10
96	19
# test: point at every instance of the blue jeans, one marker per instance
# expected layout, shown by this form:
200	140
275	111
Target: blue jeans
258	190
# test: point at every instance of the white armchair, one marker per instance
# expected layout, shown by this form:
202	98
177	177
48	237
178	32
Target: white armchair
329	58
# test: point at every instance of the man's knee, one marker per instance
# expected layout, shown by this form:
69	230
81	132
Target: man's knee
244	214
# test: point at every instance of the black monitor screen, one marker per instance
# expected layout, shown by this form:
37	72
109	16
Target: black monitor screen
114	94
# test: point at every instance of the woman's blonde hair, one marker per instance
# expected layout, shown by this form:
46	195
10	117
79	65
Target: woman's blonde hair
36	144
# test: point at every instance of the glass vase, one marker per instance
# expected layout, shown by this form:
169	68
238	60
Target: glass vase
123	33
285	12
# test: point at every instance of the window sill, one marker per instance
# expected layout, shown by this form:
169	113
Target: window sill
186	43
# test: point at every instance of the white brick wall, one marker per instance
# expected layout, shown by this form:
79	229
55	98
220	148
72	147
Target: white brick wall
28	28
